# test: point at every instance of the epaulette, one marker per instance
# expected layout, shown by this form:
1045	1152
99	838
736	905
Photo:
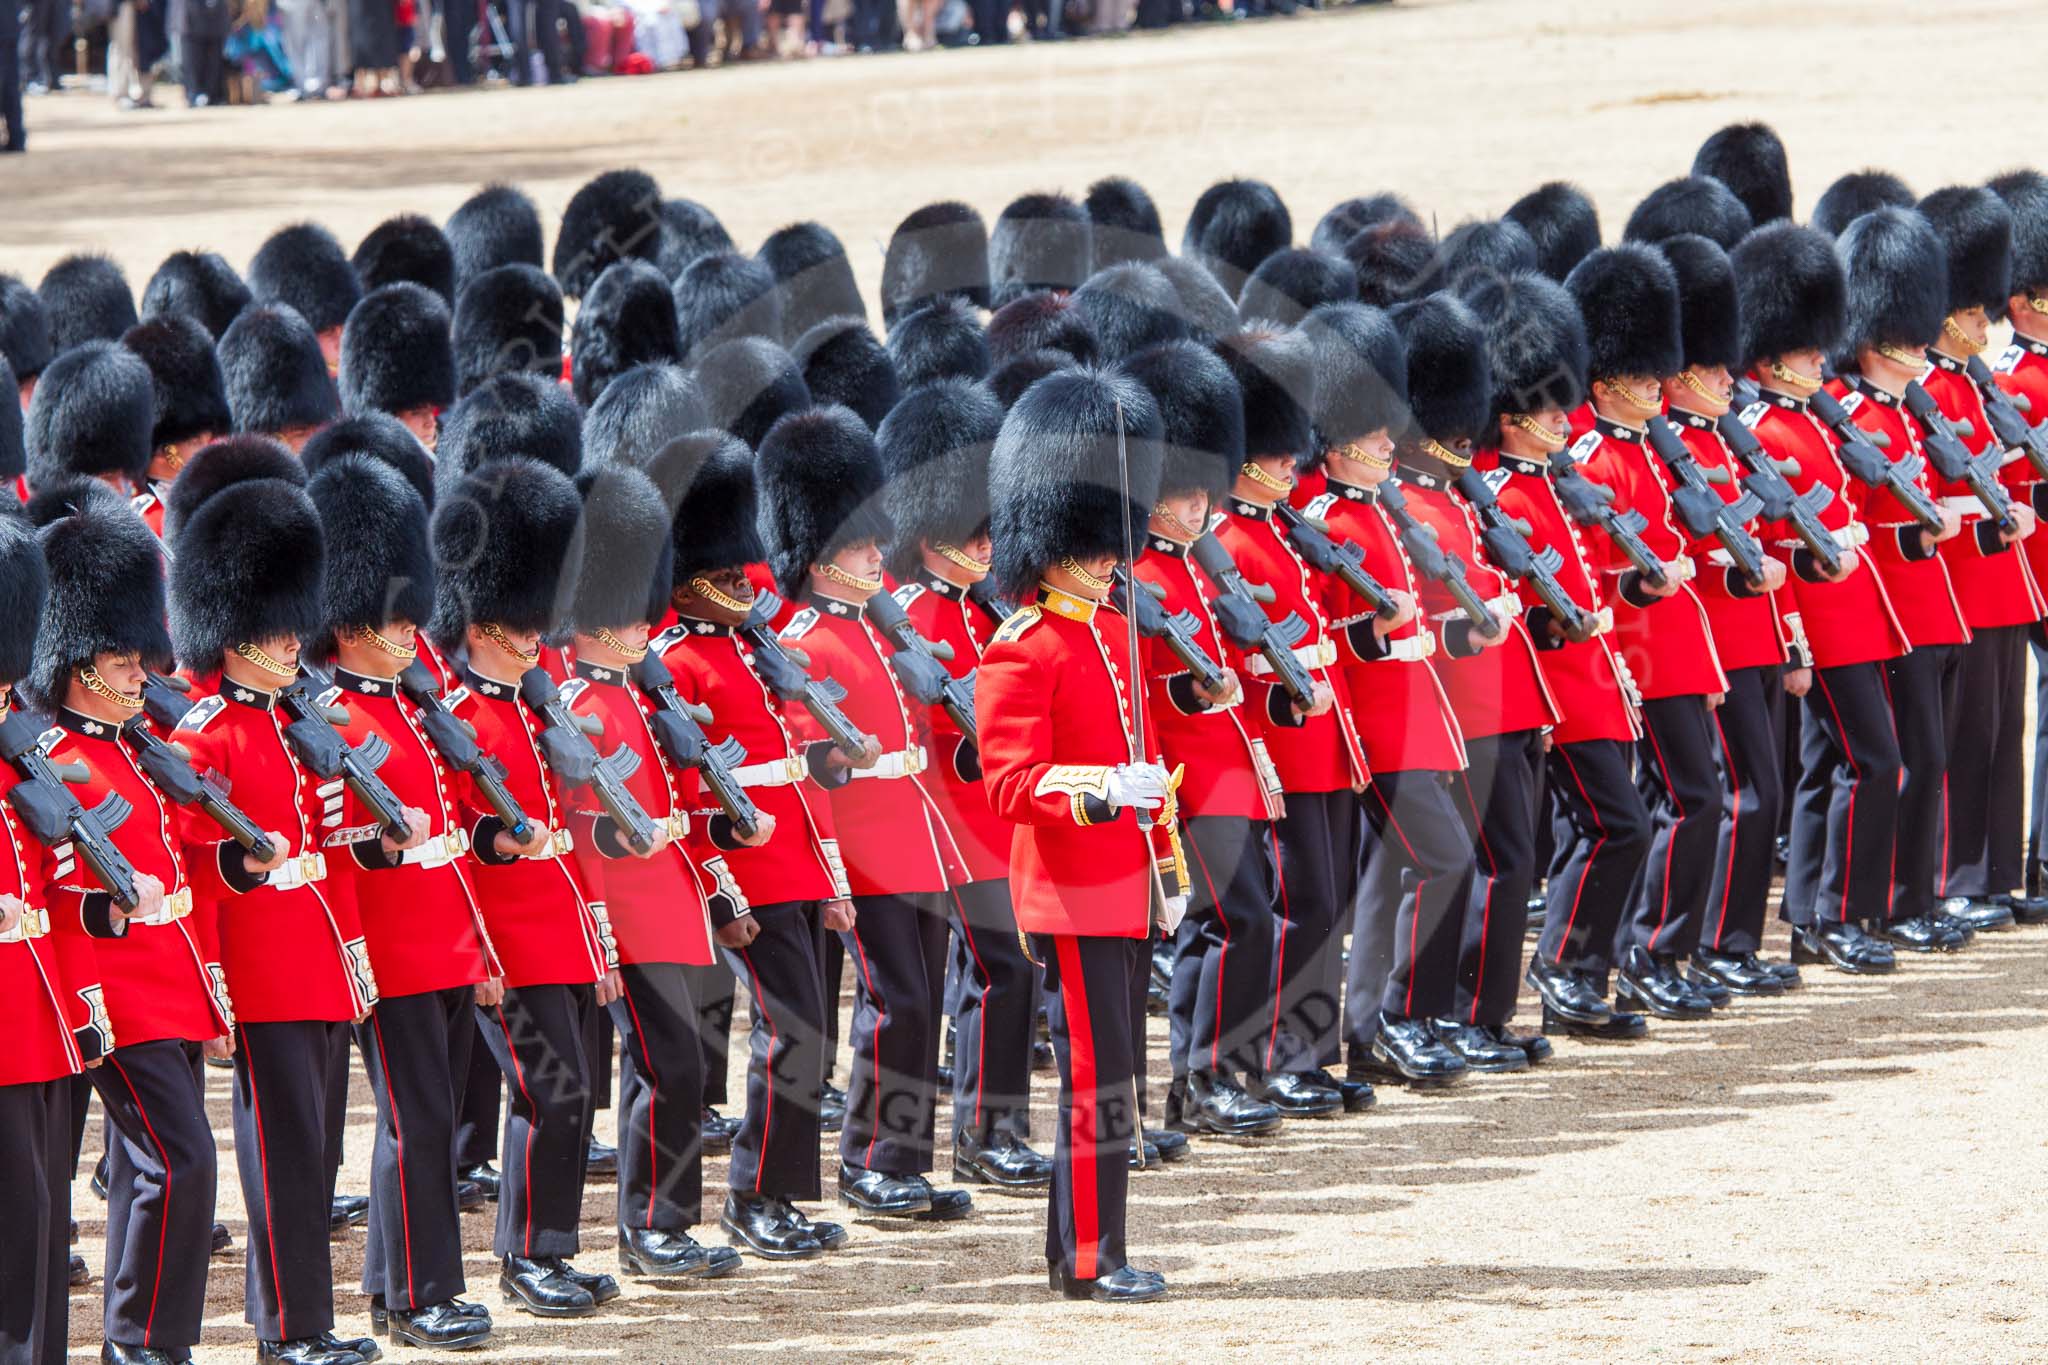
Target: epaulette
1586	444
1319	506
1015	624
1754	413
202	713
668	639
573	689
799	625
908	593
1852	400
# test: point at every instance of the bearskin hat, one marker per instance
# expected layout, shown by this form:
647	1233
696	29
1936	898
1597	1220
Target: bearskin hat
615	216
304	267
1361	373
639	413
1750	160
813	278
24	329
1054	483
1129	307
196	284
1691	203
751	384
1233	226
507	318
1450	383
504	536
498	225
1205	305
91	414
13	446
820	479
627	318
688	230
222	464
190	394
106	586
717	523
1275	368
407	249
1289	283
1535	344
725	295
2026	194
396	353
1476	253
1794	296
1040	241
1628	297
1346	220
514	415
248	566
1856	194
1976	230
1123	223
276	376
1011	378
1201	415
382	569
1898	279
937	251
1037	322
374	436
934	448
844	363
626	560
1709	309
1391	259
24	584
86	298
945	339
1561	220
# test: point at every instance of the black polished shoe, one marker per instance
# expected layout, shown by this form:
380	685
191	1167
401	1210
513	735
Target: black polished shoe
1216	1104
1003	1161
348	1211
600	1286
80	1272
544	1288
1143	1155
601	1160
1480	1049
768	1227
718	1131
1980	916
484	1176
831	1236
1715	990
881	1195
1568	996
1738	973
119	1353
1042	1058
648	1251
380	1312
1298	1096
1412	1050
364	1349
305	1351
1171	1146
1122	1285
946	1204
99	1176
1787	972
450	1325
1534	1045
221	1241
469	1196
1652	984
1922	934
1843	946
1178	1111
831	1108
2028	909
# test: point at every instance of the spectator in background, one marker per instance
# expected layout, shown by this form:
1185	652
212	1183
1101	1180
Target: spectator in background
13	132
373	43
307	30
533	36
458	27
136	42
786	27
41	31
201	27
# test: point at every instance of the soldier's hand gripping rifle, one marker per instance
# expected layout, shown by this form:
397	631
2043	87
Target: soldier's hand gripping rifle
1139	600
1345	562
1765	480
1858	451
169	769
1434	562
456	743
1591	505
319	745
920	665
1507	544
1702	511
54	816
679	729
2013	431
1244	620
1952	459
565	739
782	672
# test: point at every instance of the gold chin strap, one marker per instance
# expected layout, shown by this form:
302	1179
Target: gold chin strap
2035	303
1264	480
1083	577
1899	357
173	455
1550	439
1961	338
97	685
368	635
953	554
265	662
1692	381
611	641
702	587
1651	404
846	580
498	638
1791	378
1181	530
1369	459
1437	450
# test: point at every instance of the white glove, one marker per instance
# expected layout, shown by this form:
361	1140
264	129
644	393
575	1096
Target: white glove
1175	910
1142	785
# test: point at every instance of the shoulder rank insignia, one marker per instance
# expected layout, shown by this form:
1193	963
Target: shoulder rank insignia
799	624
667	640
1497	477
573	689
202	713
1586	445
1852	400
1754	413
1015	624
456	697
330	697
49	739
908	593
2009	358
1320	504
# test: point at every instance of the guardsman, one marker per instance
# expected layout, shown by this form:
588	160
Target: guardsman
793	882
934	447
397	358
278	385
24	335
302	267
1314	747
825	527
502	541
191	403
1844	633
163	988
93	419
1067	756
425	935
1629	298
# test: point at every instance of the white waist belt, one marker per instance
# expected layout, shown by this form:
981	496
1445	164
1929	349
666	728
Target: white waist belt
781	772
902	763
33	924
560	843
177	905
436	852
1965	508
304	870
1321	654
1414	649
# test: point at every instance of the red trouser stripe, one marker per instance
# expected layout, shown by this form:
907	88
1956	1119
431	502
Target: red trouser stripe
1222	954
519	1078
163	1226
1492	879
981	1037
1734	827
412	1299
1586	872
263	1164
1415	919
653	1104
1082	1118
1855	781
1671	843
867	981
1279	949
767	1067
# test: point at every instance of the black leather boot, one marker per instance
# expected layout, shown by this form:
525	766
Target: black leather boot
1843	946
1003	1161
881	1195
1216	1104
1480	1049
543	1287
447	1326
1415	1054
1652	984
1736	973
1122	1285
768	1227
1298	1096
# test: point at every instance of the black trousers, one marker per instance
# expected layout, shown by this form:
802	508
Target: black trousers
1091	1040
1601	832
2037	832
775	1151
1316	843
832	959
1846	803
42	34
898	951
661	1151
458	30
1748	730
205	67
537	1036
1501	787
1409	923
995	1013
13	132
1986	752
712	990
476	1127
160	1188
35	1201
416	1049
1218	1005
1922	689
533	29
281	1136
1681	788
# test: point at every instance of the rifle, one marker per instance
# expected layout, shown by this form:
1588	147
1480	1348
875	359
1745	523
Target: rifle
1176	631
53	815
1859	454
1434	562
921	665
1702	510
2012	430
1311	539
679	729
565	740
456	743
319	745
1952	459
998	608
782	672
1507	544
1245	621
1591	504
169	769
164	698
1766	482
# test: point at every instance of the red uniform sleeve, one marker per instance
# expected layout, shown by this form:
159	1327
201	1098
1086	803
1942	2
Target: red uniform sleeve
1023	784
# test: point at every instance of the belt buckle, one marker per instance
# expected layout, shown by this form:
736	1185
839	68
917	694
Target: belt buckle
177	905
33	924
678	827
456	841
564	842
913	760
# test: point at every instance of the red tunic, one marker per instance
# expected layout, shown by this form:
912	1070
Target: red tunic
2022	371
1991	580
1745	625
943	614
149	505
48	975
1916	581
